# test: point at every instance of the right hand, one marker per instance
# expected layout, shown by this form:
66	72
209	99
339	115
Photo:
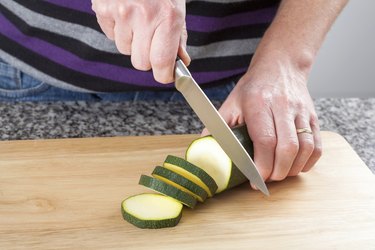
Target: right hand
151	32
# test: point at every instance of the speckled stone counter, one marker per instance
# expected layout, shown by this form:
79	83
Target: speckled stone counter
353	118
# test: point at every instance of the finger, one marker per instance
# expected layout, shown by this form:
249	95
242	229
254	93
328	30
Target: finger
317	152
306	145
107	25
260	126
287	145
182	48
164	48
230	113
123	38
102	8
140	49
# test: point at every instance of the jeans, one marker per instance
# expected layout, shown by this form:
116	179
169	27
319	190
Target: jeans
19	86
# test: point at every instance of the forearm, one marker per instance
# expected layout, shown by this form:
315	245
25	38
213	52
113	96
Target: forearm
298	30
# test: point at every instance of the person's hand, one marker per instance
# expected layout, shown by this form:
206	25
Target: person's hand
273	100
152	32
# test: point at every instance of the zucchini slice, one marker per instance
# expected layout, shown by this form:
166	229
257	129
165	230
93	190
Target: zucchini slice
206	153
168	190
191	172
180	182
151	211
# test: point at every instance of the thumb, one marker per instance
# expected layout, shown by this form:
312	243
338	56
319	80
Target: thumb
182	48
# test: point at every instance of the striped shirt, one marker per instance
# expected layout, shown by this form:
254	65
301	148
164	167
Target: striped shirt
61	43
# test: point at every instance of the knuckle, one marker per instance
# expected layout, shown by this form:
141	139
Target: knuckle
144	10
269	141
123	48
122	11
290	147
173	13
140	64
281	99
278	177
318	151
160	62
260	98
307	145
299	105
293	173
314	120
173	17
101	9
109	35
266	174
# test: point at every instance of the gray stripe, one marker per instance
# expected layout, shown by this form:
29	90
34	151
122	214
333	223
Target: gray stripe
84	34
225	48
38	74
99	41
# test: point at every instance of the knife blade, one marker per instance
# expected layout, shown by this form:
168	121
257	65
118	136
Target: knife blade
216	125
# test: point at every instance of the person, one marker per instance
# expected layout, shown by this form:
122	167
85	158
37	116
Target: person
126	50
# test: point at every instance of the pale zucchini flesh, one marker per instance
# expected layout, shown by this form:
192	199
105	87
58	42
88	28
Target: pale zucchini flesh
206	153
151	211
180	182
191	172
168	190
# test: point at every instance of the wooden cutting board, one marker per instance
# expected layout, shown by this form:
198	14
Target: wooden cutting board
66	194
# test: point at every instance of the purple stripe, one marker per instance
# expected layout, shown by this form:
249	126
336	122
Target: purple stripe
211	24
193	23
72	61
80	5
98	69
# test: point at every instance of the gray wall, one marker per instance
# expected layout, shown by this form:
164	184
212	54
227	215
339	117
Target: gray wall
345	66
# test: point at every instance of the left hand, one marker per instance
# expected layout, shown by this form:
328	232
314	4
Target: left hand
273	100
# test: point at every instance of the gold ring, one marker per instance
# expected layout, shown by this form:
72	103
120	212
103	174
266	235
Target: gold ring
304	130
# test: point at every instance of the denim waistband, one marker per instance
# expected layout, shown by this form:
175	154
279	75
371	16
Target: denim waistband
16	85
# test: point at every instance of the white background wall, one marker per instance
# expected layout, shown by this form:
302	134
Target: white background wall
345	66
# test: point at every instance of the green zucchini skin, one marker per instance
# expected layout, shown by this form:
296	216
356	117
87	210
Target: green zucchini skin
149	224
168	190
195	170
180	180
236	176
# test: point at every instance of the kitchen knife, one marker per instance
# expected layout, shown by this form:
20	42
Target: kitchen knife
216	125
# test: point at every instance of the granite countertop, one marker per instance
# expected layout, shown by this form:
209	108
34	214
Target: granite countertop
351	117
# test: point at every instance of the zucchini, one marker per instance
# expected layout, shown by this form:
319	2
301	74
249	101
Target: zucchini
180	182
168	190
206	153
191	172
151	211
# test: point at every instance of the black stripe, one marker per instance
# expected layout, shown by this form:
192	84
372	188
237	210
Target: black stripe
70	44
62	73
199	8
88	53
202	8
194	39
220	63
62	13
242	32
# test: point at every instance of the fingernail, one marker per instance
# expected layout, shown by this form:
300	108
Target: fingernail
253	187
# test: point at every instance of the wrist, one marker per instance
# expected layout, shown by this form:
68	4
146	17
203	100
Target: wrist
273	51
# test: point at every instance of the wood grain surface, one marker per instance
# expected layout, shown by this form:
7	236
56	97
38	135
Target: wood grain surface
66	194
